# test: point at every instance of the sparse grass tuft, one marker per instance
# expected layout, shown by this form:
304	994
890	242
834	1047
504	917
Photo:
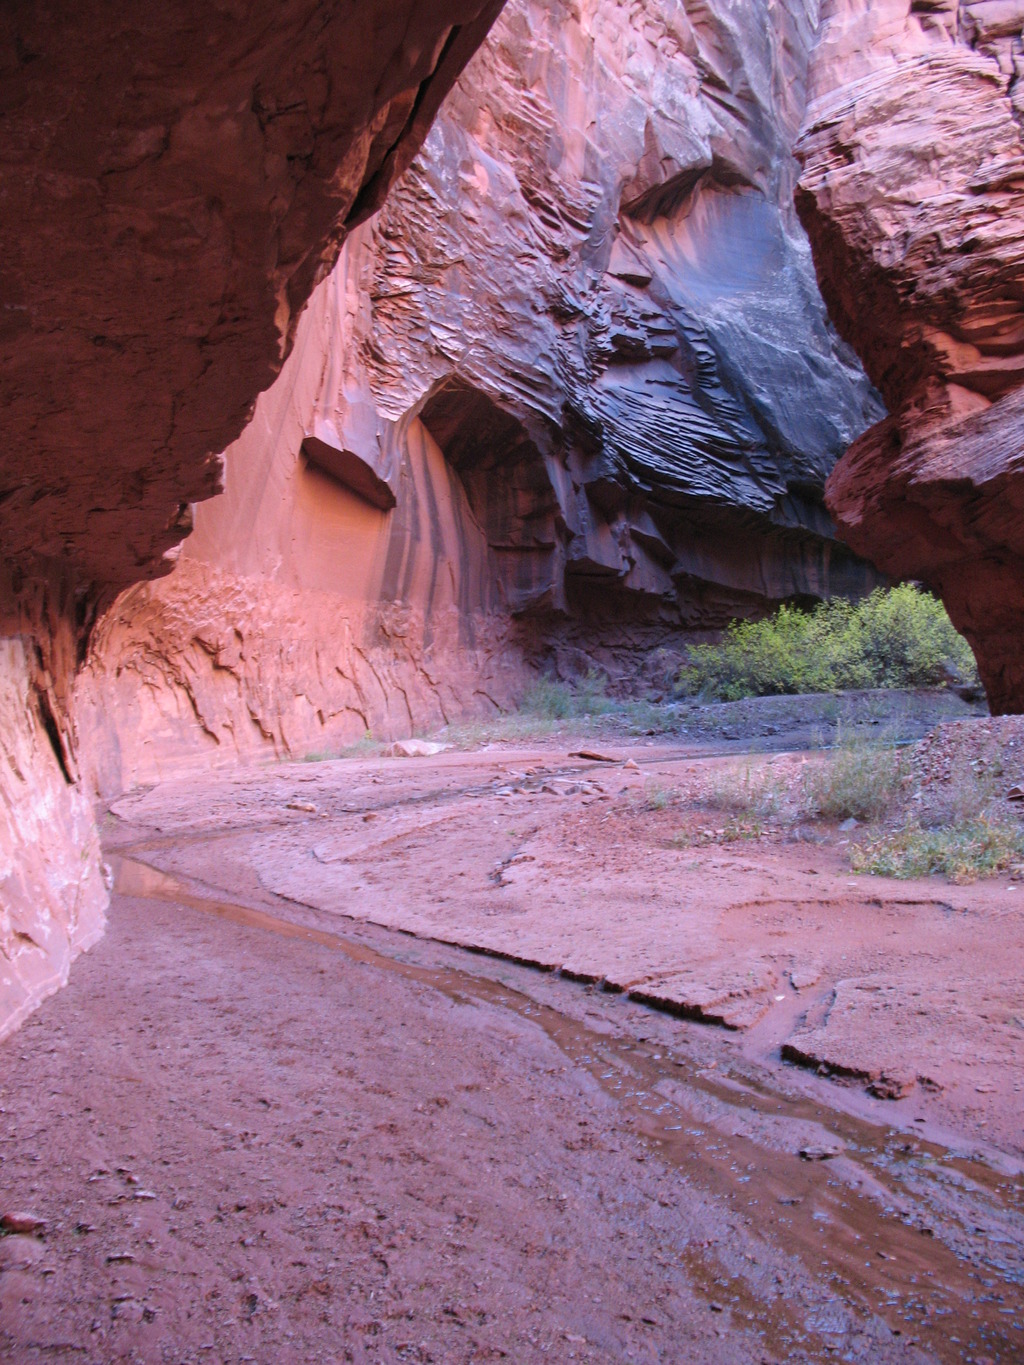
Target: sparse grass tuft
746	791
643	717
737	829
896	637
364	747
659	797
855	780
980	847
548	699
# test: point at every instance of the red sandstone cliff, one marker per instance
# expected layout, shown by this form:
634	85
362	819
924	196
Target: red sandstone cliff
174	179
913	196
574	390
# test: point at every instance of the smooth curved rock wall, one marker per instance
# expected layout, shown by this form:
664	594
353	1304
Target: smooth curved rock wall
912	193
174	179
301	616
585	339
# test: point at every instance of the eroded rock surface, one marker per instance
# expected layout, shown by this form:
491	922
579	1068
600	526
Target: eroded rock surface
913	195
576	375
173	180
52	895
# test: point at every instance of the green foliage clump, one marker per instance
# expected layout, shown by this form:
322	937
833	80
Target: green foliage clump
979	848
896	637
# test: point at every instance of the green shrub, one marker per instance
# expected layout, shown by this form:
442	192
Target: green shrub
856	780
553	700
896	637
979	848
548	699
591	695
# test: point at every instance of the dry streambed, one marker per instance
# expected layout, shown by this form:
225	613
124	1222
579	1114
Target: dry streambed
261	1124
609	870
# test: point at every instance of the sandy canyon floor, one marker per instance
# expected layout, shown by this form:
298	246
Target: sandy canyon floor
689	1097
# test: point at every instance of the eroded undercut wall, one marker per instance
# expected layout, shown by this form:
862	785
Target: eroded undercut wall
571	395
173	181
911	192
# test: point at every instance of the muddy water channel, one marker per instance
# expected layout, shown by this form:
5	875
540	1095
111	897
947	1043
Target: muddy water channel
905	1246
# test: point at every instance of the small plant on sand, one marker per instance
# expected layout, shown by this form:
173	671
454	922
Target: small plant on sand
978	848
548	699
737	829
659	797
856	780
364	747
592	695
746	791
896	637
648	718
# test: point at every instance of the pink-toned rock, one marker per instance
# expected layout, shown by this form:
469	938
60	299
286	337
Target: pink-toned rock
173	181
912	193
572	393
52	895
21	1223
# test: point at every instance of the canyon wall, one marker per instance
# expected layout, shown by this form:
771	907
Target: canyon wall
571	394
174	179
912	193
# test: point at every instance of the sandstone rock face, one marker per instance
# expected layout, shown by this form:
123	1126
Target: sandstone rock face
52	895
572	392
912	193
173	181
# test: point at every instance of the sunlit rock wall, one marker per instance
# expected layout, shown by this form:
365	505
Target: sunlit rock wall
572	393
302	615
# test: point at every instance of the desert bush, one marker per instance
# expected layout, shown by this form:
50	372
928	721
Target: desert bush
745	791
659	797
642	717
551	700
895	637
963	798
547	699
855	780
977	848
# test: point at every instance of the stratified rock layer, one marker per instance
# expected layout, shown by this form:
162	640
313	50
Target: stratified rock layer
577	375
173	180
912	193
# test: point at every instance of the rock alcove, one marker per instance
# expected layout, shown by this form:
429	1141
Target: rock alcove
564	389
